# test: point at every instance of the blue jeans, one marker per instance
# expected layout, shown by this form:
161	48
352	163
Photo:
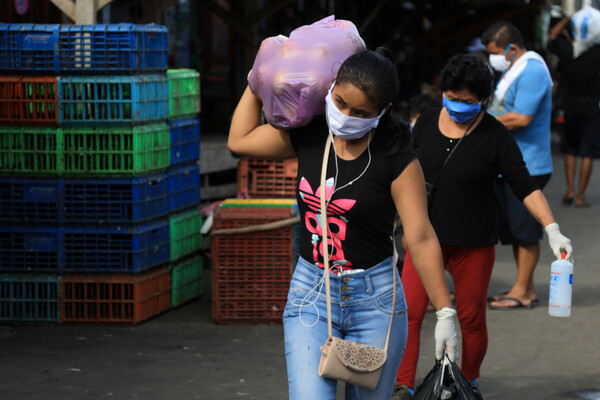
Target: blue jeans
361	305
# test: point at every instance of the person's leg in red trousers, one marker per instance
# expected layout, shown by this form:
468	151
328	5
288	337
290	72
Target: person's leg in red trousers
471	268
416	304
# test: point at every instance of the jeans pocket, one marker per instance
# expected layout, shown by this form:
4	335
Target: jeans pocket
298	297
384	302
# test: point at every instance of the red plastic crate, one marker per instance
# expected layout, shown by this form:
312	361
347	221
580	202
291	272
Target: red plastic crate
114	299
251	272
260	179
28	100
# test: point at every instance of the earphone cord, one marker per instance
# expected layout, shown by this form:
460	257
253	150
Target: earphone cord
337	169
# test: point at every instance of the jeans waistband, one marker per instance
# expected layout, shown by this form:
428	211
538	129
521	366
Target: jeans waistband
372	282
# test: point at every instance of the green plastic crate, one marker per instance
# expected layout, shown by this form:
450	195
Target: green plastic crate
186	280
184	93
185	236
84	151
112	151
30	150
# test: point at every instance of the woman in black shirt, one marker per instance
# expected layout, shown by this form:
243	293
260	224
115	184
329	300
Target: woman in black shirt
463	207
370	177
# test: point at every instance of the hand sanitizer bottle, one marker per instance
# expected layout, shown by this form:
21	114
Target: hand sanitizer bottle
561	288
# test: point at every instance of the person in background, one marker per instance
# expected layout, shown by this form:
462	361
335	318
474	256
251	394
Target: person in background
419	103
416	106
463	208
522	101
477	48
372	174
580	81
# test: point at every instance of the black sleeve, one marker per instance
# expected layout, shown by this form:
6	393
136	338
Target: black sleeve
305	134
513	168
561	47
401	161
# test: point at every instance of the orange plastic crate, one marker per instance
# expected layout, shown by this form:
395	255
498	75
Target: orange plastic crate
115	299
28	100
260	179
251	272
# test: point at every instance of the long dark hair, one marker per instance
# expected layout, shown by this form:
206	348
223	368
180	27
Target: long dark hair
374	73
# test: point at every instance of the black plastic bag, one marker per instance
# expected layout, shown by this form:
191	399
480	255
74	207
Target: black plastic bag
445	381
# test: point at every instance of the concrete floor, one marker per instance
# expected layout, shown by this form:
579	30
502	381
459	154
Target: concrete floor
183	354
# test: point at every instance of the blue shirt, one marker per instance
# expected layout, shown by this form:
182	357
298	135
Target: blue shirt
531	94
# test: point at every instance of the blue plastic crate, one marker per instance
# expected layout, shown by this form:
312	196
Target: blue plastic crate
185	140
30	200
84	250
116	201
112	100
83	49
184	186
116	249
29	298
113	48
91	201
26	48
31	249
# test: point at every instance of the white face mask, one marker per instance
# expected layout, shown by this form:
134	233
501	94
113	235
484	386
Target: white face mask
344	126
499	63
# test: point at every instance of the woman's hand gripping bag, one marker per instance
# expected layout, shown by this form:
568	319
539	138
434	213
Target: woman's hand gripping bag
292	75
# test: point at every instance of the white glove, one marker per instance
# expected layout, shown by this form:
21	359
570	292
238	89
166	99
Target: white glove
558	241
445	334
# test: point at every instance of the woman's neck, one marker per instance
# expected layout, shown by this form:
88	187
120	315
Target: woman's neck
352	149
455	130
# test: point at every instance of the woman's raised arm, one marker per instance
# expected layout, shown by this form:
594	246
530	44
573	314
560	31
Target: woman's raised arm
247	137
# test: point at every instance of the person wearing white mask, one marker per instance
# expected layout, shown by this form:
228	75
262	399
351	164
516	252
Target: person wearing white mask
522	101
372	174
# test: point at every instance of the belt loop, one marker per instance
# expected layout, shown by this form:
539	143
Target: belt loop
369	285
317	279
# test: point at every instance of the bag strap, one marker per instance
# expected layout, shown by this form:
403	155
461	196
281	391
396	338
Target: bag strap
437	178
325	244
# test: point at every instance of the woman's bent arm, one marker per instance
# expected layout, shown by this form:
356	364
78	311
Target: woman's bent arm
408	191
247	137
538	207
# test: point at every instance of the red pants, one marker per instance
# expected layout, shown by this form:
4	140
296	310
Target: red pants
471	269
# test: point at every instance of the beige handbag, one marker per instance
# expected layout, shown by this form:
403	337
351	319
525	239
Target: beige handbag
341	359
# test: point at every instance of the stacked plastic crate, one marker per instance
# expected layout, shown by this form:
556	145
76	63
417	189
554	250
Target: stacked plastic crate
253	256
255	244
86	194
185	221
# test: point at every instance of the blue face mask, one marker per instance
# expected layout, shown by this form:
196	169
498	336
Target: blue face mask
461	112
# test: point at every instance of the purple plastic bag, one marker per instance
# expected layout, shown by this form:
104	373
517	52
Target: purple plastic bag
292	75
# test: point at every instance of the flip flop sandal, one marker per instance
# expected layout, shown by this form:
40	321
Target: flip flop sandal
518	305
567	201
497	297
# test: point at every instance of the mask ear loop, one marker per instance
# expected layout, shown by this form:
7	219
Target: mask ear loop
506	52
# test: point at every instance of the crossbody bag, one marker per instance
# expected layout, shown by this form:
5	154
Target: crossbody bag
341	359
